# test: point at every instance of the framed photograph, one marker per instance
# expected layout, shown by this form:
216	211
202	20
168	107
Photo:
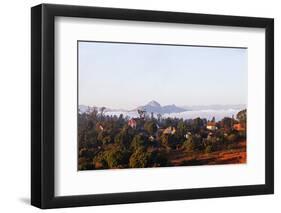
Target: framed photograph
140	106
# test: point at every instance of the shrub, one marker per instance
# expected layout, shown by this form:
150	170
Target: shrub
209	148
231	146
116	157
189	146
158	159
232	137
99	161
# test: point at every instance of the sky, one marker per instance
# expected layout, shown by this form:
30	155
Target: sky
128	75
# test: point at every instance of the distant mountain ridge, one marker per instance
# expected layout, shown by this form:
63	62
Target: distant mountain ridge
155	107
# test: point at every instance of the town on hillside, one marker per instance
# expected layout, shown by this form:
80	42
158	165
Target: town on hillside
150	140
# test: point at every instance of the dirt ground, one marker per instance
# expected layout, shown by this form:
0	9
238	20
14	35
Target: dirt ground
233	156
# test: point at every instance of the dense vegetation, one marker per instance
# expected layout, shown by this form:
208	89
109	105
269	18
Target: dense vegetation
148	141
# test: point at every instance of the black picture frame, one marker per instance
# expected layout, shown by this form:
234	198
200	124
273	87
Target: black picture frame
43	110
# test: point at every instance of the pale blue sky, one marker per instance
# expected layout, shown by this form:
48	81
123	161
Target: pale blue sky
121	75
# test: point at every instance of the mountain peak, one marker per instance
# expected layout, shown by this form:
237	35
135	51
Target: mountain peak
155	107
154	103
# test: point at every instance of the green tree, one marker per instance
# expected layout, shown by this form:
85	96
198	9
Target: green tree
197	123
150	127
232	137
158	158
139	159
181	131
242	116
116	157
209	148
193	143
102	109
227	123
122	139
139	142
168	141
104	138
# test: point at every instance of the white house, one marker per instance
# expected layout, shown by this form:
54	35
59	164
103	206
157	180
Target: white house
211	126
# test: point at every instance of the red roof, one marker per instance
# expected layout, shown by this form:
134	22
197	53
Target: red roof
239	127
132	123
211	124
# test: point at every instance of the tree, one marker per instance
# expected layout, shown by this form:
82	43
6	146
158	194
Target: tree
227	122
121	117
150	127
139	159
168	122
116	157
141	113
158	158
242	116
104	138
209	148
139	141
102	109
159	117
122	139
94	111
197	123
181	128
168	141
193	143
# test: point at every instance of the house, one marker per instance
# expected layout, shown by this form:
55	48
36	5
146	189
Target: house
211	126
239	127
188	135
132	123
169	131
151	138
